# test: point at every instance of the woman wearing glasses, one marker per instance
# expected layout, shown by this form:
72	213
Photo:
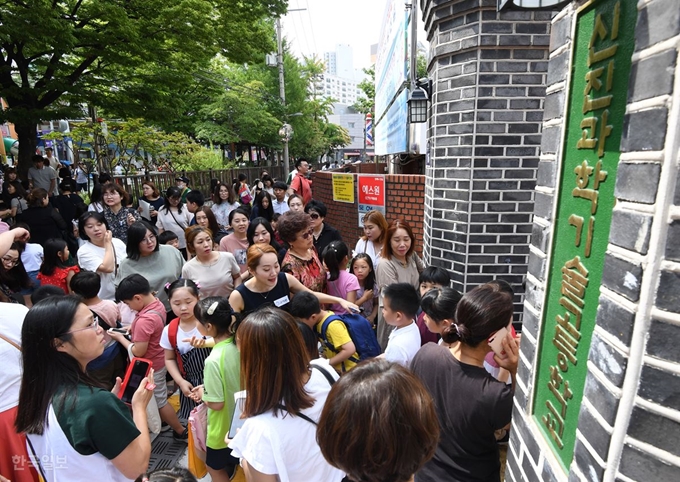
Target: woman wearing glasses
271	287
159	264
118	217
301	259
324	233
13	276
77	429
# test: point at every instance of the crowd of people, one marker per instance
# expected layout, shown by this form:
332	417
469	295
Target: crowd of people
358	365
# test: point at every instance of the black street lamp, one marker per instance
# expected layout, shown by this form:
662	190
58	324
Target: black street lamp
418	100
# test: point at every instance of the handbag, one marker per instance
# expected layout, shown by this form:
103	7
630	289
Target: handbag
196	456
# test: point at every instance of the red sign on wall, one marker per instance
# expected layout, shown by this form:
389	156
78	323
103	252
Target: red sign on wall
371	194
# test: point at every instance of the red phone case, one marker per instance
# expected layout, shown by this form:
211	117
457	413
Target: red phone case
128	373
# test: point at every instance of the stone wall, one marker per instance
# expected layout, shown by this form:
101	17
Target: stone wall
489	73
629	421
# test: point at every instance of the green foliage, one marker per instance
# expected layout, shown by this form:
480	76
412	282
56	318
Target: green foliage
366	104
131	57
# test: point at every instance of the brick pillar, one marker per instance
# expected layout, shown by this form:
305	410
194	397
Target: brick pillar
489	72
629	419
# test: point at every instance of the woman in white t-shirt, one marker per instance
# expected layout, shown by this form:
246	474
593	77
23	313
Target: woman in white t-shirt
101	252
216	271
286	395
175	217
371	243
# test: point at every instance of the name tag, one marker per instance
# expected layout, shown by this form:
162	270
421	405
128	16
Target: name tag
281	301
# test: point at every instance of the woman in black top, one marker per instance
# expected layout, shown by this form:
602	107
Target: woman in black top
470	403
152	196
45	222
324	233
269	287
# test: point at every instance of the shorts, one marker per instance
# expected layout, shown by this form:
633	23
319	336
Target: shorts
160	393
221	459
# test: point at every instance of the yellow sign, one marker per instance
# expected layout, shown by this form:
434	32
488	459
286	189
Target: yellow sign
343	188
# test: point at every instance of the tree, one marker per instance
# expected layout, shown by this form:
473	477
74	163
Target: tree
366	104
125	55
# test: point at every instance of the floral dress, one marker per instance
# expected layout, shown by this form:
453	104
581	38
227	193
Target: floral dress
310	273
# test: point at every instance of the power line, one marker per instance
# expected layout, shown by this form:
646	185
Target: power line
311	26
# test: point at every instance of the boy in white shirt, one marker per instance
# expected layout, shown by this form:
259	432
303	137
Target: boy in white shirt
400	304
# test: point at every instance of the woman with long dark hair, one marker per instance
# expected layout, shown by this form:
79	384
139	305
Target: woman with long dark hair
64	412
284	402
173	216
206	219
455	375
225	202
13	275
260	231
262	206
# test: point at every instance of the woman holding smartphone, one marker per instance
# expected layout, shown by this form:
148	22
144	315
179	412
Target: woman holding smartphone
63	411
455	374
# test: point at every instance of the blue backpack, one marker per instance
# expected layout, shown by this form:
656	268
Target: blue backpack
361	333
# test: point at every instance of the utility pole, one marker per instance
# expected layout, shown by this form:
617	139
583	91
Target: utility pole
282	93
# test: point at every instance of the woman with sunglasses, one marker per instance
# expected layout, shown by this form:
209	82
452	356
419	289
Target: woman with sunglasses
324	233
268	286
65	414
301	259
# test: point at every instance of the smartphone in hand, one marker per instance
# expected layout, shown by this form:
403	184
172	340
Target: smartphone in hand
137	370
496	340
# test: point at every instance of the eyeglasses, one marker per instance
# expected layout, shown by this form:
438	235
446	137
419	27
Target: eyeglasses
111	194
314	216
92	326
149	239
10	261
307	234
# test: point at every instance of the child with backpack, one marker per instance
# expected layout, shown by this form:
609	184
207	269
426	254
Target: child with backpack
341	283
400	303
346	339
184	362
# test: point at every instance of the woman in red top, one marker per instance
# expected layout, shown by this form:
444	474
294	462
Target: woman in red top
54	270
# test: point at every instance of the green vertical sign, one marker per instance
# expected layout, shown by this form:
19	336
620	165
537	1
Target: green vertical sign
603	46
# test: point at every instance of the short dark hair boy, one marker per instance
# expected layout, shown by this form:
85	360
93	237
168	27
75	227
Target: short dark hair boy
435	277
402	298
86	284
166	237
132	285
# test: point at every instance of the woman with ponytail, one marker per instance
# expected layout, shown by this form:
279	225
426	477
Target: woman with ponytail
470	403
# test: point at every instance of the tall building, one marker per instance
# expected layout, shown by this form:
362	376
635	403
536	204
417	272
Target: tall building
340	62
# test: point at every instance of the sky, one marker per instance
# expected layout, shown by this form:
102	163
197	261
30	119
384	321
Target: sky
326	23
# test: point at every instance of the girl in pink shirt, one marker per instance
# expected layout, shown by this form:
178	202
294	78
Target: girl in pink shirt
341	283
